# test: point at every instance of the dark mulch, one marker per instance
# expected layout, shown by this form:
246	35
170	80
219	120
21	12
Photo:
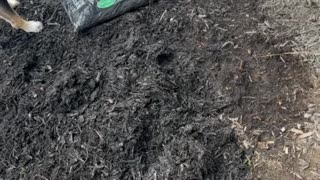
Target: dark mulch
144	96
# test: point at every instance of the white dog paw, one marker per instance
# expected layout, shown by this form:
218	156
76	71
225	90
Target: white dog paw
32	26
14	3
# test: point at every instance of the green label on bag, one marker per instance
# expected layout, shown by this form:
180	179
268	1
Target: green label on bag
105	3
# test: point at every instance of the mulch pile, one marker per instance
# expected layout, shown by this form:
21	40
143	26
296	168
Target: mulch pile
144	96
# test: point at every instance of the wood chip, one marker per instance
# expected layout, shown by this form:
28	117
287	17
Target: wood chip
297	175
286	150
296	131
263	145
315	173
303	164
305	135
299	126
227	43
307	115
270	142
246	144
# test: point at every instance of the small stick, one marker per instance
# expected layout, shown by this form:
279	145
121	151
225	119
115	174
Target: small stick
292	53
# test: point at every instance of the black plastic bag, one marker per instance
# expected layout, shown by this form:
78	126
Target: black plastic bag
87	13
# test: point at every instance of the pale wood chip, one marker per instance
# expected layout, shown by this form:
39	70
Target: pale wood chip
296	131
305	135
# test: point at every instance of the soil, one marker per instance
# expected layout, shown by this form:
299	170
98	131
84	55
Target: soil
297	157
152	94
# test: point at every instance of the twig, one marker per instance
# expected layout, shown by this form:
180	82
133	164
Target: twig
292	53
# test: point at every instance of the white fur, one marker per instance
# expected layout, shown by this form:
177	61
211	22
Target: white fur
32	26
14	3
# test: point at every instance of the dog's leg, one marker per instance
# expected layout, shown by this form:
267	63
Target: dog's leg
9	15
13	3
